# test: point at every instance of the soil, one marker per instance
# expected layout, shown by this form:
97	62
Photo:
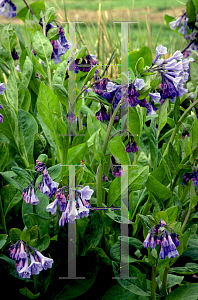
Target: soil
152	15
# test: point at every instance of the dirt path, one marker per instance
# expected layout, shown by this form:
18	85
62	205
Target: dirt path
114	15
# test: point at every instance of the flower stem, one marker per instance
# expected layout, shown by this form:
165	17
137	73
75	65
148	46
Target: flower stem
153	281
185	221
177	126
2	216
165	281
29	7
35	283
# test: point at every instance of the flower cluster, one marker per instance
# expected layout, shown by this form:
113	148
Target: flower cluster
193	176
23	256
131	146
168	241
174	74
189	34
71	210
11	13
47	186
29	195
85	63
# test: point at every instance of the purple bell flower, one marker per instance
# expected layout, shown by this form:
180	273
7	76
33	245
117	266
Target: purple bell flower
102	114
2	89
118	171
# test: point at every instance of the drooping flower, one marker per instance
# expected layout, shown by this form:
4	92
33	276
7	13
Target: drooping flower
184	133
118	171
46	262
12	8
25	272
104	177
15	54
35	267
176	23
160	50
155	97
47	186
2	89
29	195
139	84
102	114
85	193
131	146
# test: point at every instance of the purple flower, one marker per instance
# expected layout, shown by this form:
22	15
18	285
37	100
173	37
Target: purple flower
12	9
162	223
102	114
25	272
15	55
35	267
104	177
160	50
152	242
18	68
112	86
22	254
52	207
118	171
162	253
139	84
47	186
195	177
85	193
2	89
39	166
183	29
83	210
71	117
1	118
60	196
184	133
177	55
176	23
155	97
45	261
147	240
131	147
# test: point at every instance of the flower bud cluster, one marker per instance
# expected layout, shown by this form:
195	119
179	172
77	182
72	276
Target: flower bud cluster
28	260
168	241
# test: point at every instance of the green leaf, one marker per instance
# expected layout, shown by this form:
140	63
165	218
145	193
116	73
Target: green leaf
194	73
11	196
27	71
144	52
39	144
184	292
139	65
118	219
153	143
4	154
76	154
160	192
42	47
37	7
98	154
136	122
195	2
28	128
132	241
20	37
43	243
11	91
43	158
3	238
162	119
26	292
115	253
90	74
82	52
10	124
52	34
161	215
118	292
8	37
62	94
190	268
12	181
33	26
117	148
172	213
193	196
93	232
173	159
14	235
59	76
25	235
137	285
50	15
6	58
22	173
190	11
137	178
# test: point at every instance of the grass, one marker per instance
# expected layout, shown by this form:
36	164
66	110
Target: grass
112	4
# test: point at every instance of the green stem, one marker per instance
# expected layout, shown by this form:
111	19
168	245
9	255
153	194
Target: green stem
104	148
153	282
177	126
49	77
185	221
35	283
2	217
164	282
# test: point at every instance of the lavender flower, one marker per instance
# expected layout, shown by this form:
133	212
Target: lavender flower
12	9
85	193
102	114
2	89
104	177
35	267
47	186
160	50
1	118
25	272
183	29
155	97
118	171
45	261
52	207
29	195
139	84
71	117
176	23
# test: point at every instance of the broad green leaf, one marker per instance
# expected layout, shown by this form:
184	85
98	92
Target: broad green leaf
117	148
90	74
136	122
20	37
76	154
42	46
93	232
26	292
6	58
195	2
43	243
173	159
139	65
13	182
115	253
194	73
144	52
8	37
14	235
4	154
136	284
22	173
10	196
190	11
132	241
24	97
160	192
28	127
37	7
188	291
97	149
50	15
25	235
82	52
153	143
3	238
118	219
52	34
189	269
62	94
11	91
172	213
33	26
161	215
162	119
27	71
137	179
118	292
59	76
39	144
